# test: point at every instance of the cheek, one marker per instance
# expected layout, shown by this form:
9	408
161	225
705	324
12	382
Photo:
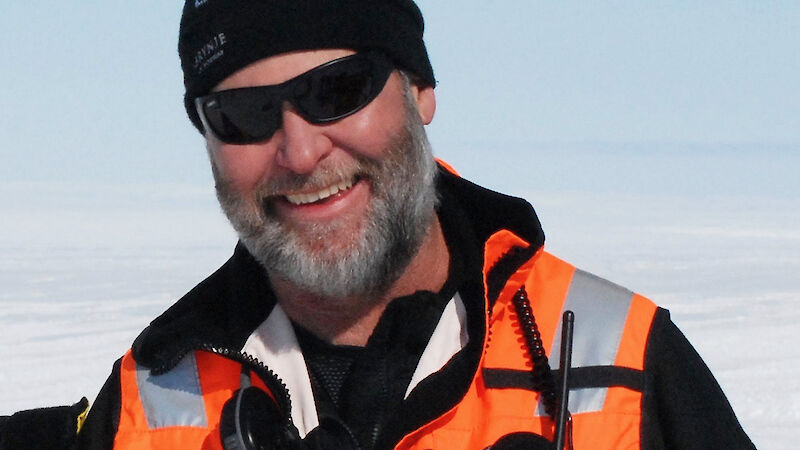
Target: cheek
375	126
242	166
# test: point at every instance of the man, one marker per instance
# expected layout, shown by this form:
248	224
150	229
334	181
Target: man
376	299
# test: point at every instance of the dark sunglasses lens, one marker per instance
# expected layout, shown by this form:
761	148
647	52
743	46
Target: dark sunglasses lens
336	91
242	116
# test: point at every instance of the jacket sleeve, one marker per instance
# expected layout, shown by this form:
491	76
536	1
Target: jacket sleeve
101	424
684	406
51	427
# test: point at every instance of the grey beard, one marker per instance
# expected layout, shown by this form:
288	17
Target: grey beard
315	259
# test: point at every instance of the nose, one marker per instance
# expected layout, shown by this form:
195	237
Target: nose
301	145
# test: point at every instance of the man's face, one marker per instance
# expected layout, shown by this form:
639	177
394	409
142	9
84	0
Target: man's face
337	209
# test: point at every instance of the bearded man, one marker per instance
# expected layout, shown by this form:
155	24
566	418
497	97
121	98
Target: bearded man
376	299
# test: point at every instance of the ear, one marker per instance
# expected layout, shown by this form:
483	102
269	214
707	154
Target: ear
426	102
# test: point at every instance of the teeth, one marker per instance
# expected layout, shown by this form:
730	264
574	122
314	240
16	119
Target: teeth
322	194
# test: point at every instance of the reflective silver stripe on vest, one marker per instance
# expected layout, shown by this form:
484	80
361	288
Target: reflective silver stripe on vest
174	398
601	308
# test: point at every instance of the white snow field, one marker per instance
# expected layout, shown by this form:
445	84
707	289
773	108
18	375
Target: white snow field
84	268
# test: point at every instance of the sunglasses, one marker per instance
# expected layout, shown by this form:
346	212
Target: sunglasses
325	93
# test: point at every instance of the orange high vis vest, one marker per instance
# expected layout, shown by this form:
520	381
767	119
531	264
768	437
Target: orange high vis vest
611	329
182	408
179	409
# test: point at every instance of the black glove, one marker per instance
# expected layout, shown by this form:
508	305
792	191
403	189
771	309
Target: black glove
43	428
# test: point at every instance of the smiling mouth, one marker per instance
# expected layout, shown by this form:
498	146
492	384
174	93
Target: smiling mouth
320	195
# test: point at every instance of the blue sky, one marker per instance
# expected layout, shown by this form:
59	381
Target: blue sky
92	91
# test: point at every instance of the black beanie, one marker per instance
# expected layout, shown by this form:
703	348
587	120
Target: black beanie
219	37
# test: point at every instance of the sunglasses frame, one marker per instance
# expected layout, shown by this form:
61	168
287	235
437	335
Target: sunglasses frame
380	70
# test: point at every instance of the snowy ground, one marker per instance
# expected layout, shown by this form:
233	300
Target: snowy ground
83	269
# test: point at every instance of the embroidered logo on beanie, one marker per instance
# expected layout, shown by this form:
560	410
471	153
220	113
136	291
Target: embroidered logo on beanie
210	52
